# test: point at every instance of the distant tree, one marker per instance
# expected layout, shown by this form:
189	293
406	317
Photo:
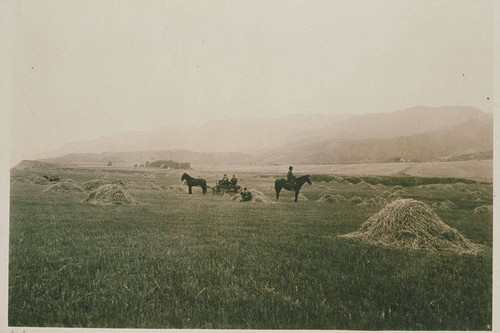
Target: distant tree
147	164
109	163
135	165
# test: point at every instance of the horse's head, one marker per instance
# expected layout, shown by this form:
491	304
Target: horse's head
308	179
184	176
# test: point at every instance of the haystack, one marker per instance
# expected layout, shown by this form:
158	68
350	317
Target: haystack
331	198
257	196
484	209
110	194
365	186
323	187
40	181
356	200
411	224
398	188
373	201
93	184
444	205
63	187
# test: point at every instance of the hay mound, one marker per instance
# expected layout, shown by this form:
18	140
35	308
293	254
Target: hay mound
411	224
398	188
110	194
356	200
257	196
373	201
93	184
365	186
63	187
485	209
41	181
119	182
331	198
444	205
323	187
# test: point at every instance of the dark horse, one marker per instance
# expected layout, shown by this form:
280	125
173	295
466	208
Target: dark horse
190	181
282	183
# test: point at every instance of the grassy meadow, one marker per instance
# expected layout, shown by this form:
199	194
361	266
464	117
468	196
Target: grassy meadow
204	261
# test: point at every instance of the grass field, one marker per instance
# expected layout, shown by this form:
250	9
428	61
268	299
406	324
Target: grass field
203	261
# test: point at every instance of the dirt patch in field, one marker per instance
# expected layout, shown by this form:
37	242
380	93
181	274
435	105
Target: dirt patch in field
63	187
110	194
411	224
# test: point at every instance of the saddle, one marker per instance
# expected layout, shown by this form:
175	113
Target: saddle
288	186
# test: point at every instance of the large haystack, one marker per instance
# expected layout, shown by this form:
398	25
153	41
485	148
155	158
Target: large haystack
485	209
331	198
110	194
63	187
40	181
411	224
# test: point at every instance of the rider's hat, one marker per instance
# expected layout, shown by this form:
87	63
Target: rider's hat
290	167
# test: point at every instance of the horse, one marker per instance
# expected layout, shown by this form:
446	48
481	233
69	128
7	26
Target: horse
283	184
190	181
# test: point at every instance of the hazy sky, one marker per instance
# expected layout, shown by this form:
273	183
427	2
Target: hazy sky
83	69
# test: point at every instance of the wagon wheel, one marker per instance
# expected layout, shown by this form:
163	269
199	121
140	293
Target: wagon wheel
218	191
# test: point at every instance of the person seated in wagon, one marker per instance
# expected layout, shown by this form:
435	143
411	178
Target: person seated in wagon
234	181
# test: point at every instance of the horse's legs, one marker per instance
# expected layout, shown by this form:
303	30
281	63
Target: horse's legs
190	192
204	189
277	193
296	195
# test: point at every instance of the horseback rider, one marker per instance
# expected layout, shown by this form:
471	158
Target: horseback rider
234	181
290	177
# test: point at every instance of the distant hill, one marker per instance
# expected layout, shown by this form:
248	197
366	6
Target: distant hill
430	146
259	134
417	134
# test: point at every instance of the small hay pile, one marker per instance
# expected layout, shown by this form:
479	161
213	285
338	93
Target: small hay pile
411	224
484	209
323	187
93	184
365	186
356	200
398	188
63	187
444	205
109	194
257	196
40	181
373	201
331	198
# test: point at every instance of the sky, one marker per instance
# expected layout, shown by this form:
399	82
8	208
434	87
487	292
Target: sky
85	69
